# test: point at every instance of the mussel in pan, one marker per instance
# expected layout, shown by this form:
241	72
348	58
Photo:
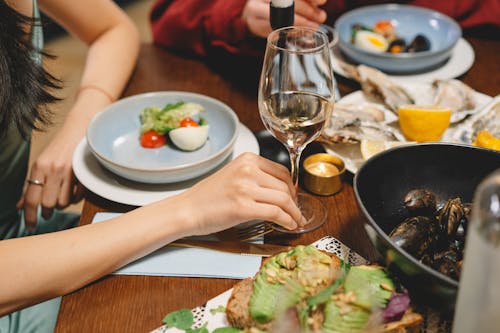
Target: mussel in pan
449	218
435	237
448	262
420	202
415	235
464	221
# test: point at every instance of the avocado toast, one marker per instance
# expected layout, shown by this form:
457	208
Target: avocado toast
309	290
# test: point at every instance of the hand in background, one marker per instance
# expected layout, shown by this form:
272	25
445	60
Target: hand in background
250	187
256	15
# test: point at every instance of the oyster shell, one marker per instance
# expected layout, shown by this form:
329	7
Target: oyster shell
358	130
455	95
379	86
351	123
345	113
487	119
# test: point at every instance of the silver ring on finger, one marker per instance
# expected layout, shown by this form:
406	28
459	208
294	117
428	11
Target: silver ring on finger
35	182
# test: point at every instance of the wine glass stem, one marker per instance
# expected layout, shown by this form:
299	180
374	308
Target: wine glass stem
294	166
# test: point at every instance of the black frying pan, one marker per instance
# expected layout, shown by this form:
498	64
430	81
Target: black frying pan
381	184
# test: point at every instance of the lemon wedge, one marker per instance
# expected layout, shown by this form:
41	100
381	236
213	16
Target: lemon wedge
423	123
370	148
485	139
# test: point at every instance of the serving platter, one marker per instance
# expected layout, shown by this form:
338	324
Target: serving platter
209	314
115	188
351	153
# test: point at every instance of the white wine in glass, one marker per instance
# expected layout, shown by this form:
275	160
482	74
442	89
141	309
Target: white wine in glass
296	95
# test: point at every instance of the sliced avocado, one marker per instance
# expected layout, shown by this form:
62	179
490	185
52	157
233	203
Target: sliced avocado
270	298
370	284
263	300
353	321
304	253
275	289
324	295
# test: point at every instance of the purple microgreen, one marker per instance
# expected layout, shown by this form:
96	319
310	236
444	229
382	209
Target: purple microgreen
396	307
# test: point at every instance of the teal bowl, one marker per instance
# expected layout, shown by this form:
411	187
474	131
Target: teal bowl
113	137
442	31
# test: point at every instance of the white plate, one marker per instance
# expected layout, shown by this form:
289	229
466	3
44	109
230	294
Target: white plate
351	153
462	58
112	187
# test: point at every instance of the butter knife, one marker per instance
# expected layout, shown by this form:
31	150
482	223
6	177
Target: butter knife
242	248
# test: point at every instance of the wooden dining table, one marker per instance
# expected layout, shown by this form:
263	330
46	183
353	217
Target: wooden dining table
121	303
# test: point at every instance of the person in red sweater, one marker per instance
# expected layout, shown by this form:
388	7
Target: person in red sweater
238	27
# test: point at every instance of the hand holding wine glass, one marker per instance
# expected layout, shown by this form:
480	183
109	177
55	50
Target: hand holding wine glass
296	95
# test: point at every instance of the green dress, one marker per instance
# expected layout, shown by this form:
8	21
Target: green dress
14	156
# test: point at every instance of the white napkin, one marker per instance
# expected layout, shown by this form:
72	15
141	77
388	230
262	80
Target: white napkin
190	262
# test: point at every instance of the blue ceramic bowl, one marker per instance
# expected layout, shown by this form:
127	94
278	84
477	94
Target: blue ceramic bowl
409	21
113	137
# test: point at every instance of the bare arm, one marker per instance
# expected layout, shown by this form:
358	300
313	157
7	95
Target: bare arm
41	267
113	48
38	268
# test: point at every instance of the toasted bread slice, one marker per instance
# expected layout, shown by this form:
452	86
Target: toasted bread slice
237	309
411	322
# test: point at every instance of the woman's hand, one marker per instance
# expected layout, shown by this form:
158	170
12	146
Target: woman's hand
256	15
60	187
250	187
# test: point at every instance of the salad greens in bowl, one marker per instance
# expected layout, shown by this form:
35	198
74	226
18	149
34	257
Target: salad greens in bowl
163	137
179	122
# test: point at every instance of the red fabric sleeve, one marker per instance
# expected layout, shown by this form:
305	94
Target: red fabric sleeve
196	26
468	13
203	27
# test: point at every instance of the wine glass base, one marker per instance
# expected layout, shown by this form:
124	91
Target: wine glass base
313	210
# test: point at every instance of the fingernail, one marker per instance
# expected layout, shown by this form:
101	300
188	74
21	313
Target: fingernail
303	221
322	16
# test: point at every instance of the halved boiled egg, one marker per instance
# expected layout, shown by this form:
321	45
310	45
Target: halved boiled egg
371	41
189	138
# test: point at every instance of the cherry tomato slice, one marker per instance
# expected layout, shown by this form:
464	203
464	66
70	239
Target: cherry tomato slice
152	139
189	122
383	25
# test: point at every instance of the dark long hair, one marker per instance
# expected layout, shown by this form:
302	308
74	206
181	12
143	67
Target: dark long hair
25	86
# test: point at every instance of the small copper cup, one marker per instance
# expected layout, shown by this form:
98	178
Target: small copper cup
322	174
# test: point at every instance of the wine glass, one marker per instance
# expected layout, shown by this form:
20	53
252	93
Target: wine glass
296	96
